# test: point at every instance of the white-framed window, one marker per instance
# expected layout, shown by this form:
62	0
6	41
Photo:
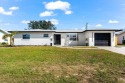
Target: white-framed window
26	36
45	35
72	37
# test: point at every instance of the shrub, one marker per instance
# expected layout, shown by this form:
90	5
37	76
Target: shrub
4	43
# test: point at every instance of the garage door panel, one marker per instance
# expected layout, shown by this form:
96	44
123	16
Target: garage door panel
102	39
101	43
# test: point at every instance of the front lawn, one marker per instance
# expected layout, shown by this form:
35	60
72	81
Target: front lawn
43	64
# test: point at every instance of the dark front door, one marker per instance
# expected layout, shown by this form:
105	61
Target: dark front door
102	39
57	39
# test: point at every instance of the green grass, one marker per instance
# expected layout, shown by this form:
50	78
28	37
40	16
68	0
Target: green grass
60	65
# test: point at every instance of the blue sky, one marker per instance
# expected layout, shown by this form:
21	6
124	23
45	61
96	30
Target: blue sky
65	14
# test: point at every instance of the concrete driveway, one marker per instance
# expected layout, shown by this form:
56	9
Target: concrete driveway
120	50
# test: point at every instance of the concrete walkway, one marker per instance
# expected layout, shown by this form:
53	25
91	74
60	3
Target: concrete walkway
119	49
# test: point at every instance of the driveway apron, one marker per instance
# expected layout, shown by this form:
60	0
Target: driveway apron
120	50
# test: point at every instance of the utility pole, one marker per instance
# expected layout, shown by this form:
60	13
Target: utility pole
86	26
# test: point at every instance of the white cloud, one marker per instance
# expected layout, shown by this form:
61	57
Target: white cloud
54	21
2	11
99	25
10	12
46	13
113	21
68	12
14	8
25	21
59	5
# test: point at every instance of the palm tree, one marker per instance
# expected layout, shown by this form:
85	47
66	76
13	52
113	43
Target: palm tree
3	33
10	35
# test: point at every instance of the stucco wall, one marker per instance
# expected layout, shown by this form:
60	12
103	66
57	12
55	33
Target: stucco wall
81	39
65	41
78	42
36	38
120	38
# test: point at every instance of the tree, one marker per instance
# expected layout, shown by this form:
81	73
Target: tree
10	35
42	24
3	33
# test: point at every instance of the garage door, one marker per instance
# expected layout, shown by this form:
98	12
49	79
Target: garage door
102	39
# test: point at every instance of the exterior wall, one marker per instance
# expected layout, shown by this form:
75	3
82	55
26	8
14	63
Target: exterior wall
81	39
70	42
116	40
120	38
65	41
91	39
78	42
36	38
88	39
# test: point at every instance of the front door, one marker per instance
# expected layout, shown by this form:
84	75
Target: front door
57	39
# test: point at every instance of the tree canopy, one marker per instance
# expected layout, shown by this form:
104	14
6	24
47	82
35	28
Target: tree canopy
42	24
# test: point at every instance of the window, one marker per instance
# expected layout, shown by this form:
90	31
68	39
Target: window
45	35
26	36
73	37
123	37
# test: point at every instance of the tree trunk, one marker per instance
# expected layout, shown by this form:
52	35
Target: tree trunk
11	41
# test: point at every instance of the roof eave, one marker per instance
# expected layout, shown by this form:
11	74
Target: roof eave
3	31
116	30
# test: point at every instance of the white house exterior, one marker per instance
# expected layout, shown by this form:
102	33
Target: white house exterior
66	37
121	38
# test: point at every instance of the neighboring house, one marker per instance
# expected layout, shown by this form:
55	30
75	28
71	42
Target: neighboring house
121	38
1	35
95	37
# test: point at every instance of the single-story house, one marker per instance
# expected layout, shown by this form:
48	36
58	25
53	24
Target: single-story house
121	38
1	36
93	37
